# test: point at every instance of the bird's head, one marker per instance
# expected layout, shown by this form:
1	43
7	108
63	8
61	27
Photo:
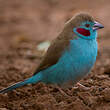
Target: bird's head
84	26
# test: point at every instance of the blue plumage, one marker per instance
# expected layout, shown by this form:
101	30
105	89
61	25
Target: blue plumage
32	80
73	64
77	47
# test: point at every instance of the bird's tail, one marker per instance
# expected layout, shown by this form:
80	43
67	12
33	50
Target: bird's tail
34	79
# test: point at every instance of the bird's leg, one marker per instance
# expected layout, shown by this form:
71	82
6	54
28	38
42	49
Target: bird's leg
82	87
62	91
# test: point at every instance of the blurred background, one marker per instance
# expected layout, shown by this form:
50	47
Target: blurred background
41	20
24	25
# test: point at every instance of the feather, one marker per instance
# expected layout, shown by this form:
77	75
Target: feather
61	43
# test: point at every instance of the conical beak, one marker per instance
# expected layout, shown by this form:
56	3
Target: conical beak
97	26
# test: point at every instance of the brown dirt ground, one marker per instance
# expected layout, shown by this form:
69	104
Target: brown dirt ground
24	24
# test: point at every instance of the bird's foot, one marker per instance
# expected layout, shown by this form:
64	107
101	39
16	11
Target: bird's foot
81	87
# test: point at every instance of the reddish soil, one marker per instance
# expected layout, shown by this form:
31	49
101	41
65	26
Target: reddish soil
23	25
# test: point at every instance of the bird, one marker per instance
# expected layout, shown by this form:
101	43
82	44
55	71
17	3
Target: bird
70	56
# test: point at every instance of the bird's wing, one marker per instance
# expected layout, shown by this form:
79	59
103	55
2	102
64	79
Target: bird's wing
53	54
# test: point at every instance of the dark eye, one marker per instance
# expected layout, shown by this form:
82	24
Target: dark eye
87	25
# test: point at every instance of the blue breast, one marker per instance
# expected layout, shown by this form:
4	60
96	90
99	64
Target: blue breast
74	63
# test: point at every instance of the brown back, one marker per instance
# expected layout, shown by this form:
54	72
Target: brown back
61	43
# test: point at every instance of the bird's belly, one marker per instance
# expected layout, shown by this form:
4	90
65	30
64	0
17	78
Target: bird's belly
74	69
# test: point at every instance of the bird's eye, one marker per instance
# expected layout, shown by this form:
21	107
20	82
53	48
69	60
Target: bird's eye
87	25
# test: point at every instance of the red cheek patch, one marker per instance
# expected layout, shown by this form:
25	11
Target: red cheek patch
83	31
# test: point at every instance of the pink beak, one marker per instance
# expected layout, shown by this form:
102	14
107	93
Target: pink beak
97	26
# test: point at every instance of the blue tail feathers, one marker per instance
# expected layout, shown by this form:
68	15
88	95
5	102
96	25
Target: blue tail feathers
34	79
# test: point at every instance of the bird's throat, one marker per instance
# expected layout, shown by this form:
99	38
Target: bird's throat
83	32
